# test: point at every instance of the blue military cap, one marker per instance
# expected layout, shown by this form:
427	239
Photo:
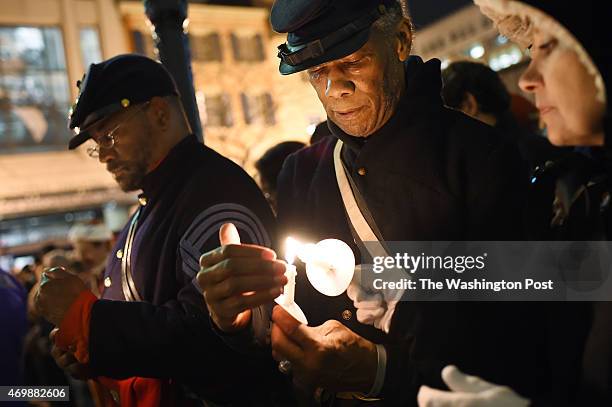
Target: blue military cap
320	31
116	84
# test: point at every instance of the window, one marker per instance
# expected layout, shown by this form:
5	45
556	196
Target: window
248	48
206	48
143	44
218	110
258	109
90	46
34	91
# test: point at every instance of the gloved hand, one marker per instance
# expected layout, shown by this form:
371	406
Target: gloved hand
468	391
374	307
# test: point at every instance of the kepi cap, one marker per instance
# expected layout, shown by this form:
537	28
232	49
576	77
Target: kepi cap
319	31
114	84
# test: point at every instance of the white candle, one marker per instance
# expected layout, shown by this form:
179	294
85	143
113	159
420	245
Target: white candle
287	299
289	289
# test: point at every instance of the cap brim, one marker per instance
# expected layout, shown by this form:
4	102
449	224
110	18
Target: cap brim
78	140
338	51
91	120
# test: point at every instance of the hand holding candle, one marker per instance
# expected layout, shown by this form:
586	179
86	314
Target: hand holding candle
237	277
330	266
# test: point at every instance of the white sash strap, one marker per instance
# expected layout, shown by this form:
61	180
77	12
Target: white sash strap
373	308
360	224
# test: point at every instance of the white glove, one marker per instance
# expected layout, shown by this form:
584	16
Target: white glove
372	307
468	391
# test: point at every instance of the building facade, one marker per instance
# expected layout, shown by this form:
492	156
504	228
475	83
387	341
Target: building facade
245	105
467	34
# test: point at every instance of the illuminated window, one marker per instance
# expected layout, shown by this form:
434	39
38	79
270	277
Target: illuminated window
90	46
505	58
34	91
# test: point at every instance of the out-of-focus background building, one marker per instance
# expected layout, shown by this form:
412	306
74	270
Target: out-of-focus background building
46	46
467	34
245	105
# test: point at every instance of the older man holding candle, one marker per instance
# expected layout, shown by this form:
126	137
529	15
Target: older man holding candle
398	166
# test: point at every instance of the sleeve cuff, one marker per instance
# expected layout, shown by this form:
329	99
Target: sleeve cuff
241	341
74	329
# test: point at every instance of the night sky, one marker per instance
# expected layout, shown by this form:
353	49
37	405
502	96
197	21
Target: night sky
425	12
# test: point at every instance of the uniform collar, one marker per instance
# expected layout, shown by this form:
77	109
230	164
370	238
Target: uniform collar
168	170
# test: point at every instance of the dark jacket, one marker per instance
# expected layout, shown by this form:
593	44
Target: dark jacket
168	335
431	173
13	319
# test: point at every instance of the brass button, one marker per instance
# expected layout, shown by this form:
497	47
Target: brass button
347	314
142	200
361	171
119	254
107	282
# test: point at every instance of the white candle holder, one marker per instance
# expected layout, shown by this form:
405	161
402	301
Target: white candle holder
330	265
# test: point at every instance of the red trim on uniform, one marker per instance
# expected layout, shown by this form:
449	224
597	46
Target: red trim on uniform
74	329
132	392
141	391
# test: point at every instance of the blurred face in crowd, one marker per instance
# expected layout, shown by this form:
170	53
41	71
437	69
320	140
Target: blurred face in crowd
91	254
565	93
360	91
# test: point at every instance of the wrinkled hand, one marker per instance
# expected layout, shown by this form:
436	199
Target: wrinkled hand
235	278
329	356
468	391
57	291
66	360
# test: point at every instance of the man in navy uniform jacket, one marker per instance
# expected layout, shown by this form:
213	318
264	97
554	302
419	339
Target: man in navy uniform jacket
148	339
425	173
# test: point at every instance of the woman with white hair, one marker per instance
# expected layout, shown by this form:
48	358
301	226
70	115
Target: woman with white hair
569	76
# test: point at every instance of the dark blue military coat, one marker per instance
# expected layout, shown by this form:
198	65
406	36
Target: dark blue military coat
429	173
168	334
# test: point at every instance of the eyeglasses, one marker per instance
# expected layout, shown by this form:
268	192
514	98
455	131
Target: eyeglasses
108	140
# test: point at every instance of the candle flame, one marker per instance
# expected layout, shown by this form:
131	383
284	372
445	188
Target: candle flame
292	246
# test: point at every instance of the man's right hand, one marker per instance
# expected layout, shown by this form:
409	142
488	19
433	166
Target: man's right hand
238	277
66	360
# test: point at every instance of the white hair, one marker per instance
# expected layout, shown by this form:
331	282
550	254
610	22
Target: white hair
388	22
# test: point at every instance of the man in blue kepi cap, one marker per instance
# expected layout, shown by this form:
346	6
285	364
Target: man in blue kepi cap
148	340
398	166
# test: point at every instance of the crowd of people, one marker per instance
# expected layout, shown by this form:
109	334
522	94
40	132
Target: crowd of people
29	358
180	310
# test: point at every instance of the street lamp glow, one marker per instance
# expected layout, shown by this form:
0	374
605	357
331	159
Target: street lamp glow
477	51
